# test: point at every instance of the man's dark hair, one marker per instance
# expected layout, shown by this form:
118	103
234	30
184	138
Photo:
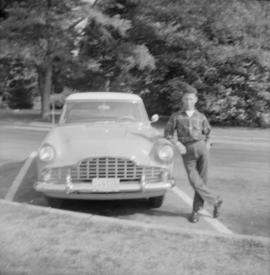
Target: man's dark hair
188	89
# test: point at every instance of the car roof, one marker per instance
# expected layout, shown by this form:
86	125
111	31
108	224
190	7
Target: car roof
103	96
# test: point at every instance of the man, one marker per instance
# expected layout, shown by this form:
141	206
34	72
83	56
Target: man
193	132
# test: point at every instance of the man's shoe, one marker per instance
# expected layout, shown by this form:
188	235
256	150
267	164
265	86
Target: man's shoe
194	217
217	206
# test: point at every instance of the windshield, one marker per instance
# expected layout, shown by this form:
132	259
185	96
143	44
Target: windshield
95	111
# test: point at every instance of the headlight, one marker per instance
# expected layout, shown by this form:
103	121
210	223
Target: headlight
165	153
46	153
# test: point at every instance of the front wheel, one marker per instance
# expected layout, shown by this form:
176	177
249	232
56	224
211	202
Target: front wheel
54	202
156	202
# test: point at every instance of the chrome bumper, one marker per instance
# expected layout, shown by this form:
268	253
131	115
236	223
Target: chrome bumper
135	189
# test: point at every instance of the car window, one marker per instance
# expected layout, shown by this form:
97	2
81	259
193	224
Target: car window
91	111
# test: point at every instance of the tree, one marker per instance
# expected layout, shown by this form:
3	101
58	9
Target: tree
150	48
20	86
59	34
116	62
220	47
42	32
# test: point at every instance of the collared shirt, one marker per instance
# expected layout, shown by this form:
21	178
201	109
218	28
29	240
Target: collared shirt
190	112
189	129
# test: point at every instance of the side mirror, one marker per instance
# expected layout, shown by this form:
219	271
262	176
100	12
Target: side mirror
154	118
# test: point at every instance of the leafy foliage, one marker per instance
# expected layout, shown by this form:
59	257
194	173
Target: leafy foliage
219	47
151	48
43	33
20	86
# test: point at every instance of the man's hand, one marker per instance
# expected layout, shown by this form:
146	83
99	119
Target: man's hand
180	147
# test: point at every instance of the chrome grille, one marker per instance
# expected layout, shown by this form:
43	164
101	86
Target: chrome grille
58	174
123	169
152	174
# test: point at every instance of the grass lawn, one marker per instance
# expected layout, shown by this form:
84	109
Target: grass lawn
34	240
23	116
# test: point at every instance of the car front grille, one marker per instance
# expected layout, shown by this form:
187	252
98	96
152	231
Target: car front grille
106	167
123	169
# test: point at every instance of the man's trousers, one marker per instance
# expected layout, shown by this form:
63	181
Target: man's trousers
196	164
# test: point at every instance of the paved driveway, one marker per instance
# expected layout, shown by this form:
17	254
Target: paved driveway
240	160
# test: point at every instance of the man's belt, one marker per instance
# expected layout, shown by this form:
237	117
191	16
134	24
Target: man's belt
191	142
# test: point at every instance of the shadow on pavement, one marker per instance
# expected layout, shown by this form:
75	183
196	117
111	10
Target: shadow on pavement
117	208
8	173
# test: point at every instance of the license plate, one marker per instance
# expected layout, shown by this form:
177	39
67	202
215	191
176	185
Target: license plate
105	185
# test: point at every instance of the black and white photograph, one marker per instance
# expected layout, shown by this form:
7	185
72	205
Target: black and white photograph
134	137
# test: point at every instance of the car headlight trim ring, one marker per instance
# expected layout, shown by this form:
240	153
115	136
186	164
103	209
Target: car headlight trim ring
46	153
166	153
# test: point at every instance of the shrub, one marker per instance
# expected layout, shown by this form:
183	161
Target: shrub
20	85
19	98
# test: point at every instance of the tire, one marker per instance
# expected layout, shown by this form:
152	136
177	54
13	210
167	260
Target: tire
54	202
156	202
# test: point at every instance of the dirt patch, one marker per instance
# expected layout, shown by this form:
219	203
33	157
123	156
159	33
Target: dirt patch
36	241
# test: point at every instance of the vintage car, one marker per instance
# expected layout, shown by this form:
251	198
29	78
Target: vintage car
104	147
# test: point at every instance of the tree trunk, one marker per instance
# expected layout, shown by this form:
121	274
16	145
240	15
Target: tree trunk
107	85
47	92
45	86
41	84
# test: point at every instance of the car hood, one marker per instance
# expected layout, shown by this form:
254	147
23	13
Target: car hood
76	142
